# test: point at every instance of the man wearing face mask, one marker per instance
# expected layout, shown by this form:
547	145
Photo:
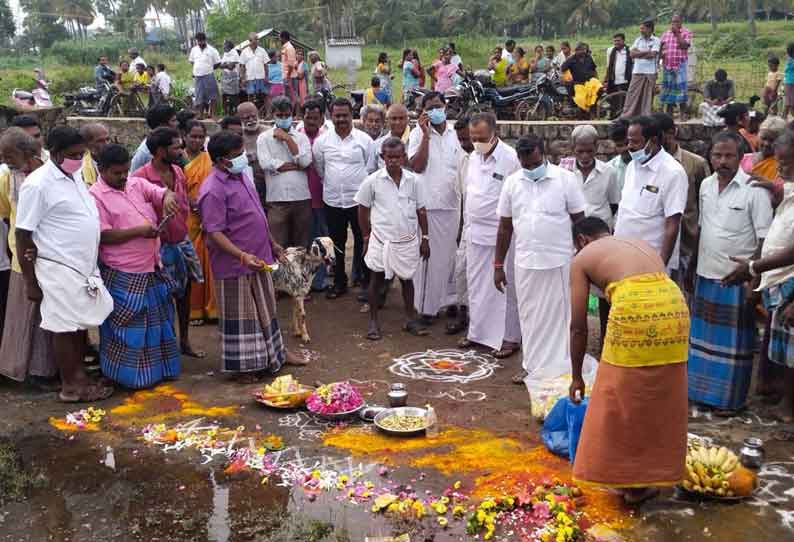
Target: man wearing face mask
434	153
178	256
540	203
493	315
252	129
57	221
654	194
284	154
251	339
26	353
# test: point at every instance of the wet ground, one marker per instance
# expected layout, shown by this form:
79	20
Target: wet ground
108	484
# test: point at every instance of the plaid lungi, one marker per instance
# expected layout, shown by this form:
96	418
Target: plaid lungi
781	338
137	342
250	334
674	85
720	345
182	264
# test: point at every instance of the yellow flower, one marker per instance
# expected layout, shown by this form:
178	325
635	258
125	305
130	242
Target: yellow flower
419	509
393	508
343	479
316	474
480	516
385	500
440	508
488	532
375	508
442	521
456	485
510	501
369	485
458	511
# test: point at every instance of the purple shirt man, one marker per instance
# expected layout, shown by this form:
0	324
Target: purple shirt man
230	204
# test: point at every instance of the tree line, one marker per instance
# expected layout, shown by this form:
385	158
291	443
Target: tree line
383	21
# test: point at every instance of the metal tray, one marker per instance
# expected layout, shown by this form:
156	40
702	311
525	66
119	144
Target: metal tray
404	411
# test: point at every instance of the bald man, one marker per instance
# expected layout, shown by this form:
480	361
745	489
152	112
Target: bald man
96	136
249	114
397	121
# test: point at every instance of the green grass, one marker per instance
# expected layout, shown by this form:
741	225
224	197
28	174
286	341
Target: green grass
743	58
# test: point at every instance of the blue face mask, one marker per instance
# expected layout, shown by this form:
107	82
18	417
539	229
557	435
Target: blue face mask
239	163
437	116
537	173
284	124
640	155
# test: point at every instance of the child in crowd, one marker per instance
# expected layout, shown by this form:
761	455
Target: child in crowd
375	94
788	80
161	85
773	79
273	75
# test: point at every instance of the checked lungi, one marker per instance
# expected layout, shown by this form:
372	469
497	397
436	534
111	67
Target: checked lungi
250	335
182	264
674	85
205	89
781	338
137	342
720	345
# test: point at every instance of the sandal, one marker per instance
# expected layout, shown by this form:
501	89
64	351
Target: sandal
453	328
88	394
189	352
415	329
374	335
505	352
518	378
466	343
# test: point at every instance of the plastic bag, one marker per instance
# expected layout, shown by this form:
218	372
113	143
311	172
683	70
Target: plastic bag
545	392
562	427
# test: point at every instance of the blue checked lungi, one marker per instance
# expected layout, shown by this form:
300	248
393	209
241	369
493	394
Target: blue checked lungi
674	85
721	345
182	264
137	343
781	338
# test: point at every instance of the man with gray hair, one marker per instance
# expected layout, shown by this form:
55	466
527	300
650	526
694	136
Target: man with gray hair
373	119
96	136
284	154
397	122
493	314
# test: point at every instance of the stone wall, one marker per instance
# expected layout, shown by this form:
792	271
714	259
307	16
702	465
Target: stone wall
48	117
692	135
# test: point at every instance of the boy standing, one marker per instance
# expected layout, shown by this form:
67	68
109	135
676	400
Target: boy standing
390	205
773	80
788	80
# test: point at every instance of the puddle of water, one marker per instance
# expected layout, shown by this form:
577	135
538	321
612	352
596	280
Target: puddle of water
218	524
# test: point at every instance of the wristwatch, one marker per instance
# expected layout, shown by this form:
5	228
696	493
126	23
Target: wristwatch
750	268
425	238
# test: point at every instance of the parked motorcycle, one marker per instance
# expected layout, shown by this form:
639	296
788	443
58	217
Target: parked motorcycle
92	102
463	98
37	98
554	100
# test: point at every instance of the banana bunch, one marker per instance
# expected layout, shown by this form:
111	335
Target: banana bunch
708	470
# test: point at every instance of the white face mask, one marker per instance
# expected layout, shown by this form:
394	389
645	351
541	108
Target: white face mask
238	164
483	148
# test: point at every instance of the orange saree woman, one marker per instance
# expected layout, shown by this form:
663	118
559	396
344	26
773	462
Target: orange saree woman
202	296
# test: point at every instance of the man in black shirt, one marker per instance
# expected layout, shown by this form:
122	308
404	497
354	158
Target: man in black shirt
585	79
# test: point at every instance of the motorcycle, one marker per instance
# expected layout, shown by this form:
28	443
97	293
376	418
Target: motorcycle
37	98
554	99
92	102
505	102
464	97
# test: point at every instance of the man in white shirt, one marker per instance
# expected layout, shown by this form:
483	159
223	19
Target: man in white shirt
654	194
493	315
391	212
734	219
135	59
252	66
397	121
57	220
205	60
161	83
645	55
507	51
618	74
284	154
461	322
434	153
342	157
540	203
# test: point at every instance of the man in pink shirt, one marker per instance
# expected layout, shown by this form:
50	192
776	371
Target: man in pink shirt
177	253
138	345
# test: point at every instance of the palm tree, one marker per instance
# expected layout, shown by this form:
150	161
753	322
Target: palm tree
590	13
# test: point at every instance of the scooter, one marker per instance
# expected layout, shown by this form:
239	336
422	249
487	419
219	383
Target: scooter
39	97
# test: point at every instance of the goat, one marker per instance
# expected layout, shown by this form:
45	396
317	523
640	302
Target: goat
295	275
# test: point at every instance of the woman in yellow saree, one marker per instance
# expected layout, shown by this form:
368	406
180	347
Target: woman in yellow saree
202	296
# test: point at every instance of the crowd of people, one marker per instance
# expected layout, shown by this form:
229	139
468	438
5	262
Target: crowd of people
683	252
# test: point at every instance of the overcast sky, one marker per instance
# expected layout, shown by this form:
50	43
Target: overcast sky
99	22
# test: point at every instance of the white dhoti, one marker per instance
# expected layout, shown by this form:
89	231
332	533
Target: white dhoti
393	258
71	302
461	283
544	305
433	284
493	315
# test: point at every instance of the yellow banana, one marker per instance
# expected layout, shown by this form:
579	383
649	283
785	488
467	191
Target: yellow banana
721	492
730	464
688	485
722	455
699	489
712	457
700	470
